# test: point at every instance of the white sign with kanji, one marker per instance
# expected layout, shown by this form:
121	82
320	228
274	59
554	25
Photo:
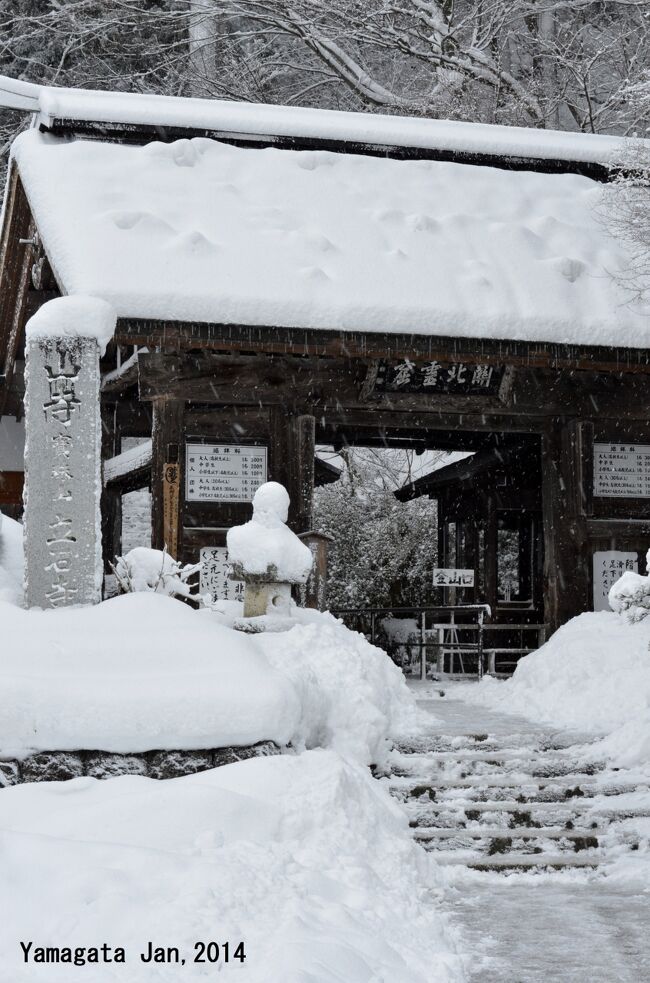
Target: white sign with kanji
224	472
214	579
609	565
622	470
452	577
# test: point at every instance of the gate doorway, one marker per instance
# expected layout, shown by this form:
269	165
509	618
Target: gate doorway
489	522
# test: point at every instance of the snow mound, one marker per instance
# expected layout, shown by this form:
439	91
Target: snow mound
73	317
265	545
143	671
592	675
305	859
11	560
135	673
353	697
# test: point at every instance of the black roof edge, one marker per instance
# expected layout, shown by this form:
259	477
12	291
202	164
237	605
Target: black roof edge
142	133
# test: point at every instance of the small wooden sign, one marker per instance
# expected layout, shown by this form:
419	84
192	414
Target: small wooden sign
452	577
171	492
462	378
609	566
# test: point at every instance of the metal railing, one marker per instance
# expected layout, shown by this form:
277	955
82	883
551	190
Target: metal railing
453	638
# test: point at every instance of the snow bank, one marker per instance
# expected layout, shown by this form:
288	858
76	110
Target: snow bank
265	545
135	673
305	859
353	696
143	671
592	675
11	560
73	317
200	231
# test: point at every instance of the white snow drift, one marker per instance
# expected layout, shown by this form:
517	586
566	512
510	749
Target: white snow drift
592	675
304	858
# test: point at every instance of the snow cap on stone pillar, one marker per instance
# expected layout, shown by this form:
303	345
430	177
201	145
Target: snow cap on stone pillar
75	316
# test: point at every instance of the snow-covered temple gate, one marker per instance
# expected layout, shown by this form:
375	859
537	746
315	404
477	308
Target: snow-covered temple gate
268	303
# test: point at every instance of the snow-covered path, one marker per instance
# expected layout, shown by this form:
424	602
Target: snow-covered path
551	932
536	835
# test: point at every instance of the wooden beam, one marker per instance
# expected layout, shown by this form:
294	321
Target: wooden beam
122	379
246	379
177	336
143	133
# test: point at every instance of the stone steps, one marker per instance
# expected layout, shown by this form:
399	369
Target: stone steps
560	861
500	832
512	803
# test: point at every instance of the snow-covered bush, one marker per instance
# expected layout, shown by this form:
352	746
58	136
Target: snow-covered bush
630	595
144	569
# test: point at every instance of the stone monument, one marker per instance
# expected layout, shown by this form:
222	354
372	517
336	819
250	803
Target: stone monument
64	340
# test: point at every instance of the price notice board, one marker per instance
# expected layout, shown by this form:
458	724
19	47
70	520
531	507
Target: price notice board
224	472
622	470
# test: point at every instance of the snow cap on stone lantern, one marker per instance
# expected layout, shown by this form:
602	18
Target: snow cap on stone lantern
267	555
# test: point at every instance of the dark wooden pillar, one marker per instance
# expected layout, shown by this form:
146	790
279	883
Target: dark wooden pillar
292	449
566	576
111	500
490	553
167	448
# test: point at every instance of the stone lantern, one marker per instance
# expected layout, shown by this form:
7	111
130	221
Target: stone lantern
268	556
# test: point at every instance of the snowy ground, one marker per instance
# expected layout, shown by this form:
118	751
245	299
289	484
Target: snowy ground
303	858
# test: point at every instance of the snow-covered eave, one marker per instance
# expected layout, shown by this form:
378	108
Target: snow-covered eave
128	115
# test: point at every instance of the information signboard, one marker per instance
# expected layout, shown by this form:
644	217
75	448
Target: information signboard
622	470
609	565
451	577
224	472
214	579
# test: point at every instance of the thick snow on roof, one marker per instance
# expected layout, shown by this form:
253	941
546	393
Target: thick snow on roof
255	120
198	230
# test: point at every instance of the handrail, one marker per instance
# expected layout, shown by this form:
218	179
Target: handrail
452	626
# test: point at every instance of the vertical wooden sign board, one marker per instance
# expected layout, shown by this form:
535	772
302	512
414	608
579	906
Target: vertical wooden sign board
171	498
608	567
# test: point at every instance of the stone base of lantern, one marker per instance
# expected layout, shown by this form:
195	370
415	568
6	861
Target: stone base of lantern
267	599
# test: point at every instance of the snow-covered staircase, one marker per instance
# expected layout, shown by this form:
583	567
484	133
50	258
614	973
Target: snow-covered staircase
513	801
